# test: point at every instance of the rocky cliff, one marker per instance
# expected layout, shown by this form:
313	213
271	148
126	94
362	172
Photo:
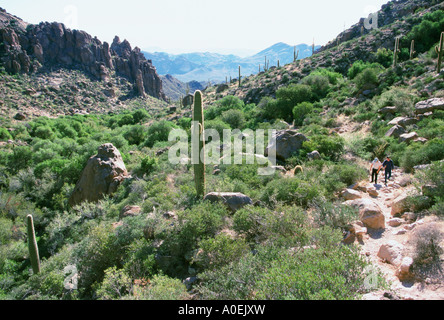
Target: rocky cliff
27	48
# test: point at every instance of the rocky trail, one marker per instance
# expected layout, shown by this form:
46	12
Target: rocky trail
386	229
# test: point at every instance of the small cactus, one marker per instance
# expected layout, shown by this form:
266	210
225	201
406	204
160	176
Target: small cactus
412	49
32	246
298	169
439	49
395	52
199	163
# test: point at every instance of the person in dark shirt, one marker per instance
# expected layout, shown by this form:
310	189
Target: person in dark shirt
388	166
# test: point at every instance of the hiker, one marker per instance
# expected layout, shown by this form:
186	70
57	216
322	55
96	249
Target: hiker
374	169
388	166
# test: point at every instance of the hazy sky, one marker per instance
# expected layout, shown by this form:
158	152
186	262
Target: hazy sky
177	26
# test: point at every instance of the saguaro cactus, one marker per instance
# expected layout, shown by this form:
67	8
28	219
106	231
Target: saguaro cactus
199	161
32	246
439	50
395	52
412	49
295	54
240	76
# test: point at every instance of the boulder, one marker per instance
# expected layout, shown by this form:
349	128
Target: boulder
232	200
391	252
387	110
350	194
408	137
399	205
286	143
315	155
370	214
102	176
395	222
429	105
395	131
130	211
404	271
403	121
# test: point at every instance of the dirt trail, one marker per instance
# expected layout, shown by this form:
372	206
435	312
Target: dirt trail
399	184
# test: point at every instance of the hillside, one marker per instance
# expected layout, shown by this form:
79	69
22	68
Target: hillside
204	67
120	212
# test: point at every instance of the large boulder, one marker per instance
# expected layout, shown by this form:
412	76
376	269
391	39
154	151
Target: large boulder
391	252
403	121
399	205
370	214
286	143
232	200
408	137
350	194
429	105
395	131
102	176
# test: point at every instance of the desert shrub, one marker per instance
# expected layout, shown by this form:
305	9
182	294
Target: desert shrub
161	287
427	251
234	118
319	84
359	66
401	98
136	134
158	131
368	78
217	125
300	111
329	272
219	251
416	154
428	31
333	215
140	115
384	57
284	225
140	259
339	176
331	147
115	285
290	191
288	97
223	105
326	271
4	134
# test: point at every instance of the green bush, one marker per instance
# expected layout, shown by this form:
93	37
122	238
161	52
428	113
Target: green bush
288	97
158	131
427	32
219	251
235	118
331	147
359	66
300	111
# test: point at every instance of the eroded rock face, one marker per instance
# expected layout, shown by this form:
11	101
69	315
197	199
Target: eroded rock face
102	176
28	48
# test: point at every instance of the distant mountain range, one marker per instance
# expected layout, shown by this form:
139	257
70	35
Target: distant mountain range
204	67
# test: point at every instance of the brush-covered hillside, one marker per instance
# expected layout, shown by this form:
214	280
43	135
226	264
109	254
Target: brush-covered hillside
113	218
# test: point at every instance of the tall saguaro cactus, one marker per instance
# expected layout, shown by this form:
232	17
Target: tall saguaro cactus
439	50
199	153
295	54
240	76
32	246
395	52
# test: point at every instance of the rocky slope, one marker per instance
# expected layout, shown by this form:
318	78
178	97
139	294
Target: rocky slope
27	48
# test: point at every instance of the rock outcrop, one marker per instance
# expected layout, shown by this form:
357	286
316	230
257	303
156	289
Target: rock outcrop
102	176
232	200
27	48
286	143
370	214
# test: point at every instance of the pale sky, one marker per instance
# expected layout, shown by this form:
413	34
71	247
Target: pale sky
181	26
